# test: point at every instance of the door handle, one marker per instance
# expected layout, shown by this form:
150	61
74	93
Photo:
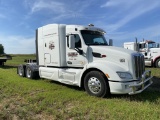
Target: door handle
69	62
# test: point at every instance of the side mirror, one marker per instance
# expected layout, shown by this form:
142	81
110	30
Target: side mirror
110	42
71	42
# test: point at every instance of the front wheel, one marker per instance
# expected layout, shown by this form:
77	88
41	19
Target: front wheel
96	84
158	63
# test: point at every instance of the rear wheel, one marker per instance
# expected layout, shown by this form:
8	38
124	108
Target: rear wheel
30	73
158	63
21	70
96	84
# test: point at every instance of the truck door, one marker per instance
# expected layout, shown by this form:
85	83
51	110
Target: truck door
51	51
47	55
77	57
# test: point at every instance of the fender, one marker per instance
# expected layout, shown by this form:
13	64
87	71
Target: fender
106	67
156	59
33	66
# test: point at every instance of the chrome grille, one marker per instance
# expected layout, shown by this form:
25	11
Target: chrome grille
139	65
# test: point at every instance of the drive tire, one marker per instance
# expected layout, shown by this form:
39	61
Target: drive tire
30	73
157	61
21	71
96	84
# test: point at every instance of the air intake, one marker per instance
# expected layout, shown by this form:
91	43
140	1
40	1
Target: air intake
139	65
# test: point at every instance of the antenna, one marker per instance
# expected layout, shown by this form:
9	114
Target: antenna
75	17
136	44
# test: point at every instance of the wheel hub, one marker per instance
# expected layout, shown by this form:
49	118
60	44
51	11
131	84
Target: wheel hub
94	85
159	63
20	71
28	73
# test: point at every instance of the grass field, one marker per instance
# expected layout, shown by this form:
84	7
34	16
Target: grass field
22	98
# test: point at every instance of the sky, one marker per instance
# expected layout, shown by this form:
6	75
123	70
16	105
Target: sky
123	20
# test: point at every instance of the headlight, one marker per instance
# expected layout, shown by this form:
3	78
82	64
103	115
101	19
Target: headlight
124	75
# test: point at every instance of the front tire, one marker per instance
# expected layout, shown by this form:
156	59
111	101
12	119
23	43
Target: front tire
158	63
96	84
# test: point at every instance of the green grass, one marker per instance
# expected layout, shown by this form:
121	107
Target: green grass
19	59
22	98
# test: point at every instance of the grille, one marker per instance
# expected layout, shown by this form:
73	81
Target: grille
139	65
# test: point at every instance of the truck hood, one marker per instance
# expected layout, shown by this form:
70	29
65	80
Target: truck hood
114	55
155	49
113	50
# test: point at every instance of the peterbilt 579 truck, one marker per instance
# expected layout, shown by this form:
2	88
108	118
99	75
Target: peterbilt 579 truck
149	49
80	56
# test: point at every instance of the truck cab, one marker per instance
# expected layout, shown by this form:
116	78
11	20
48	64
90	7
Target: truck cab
80	56
149	49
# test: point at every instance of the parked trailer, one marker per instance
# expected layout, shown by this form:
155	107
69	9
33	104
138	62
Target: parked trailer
4	58
80	56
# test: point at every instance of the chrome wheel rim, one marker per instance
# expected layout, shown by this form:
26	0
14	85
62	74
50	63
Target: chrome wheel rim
20	70
28	73
94	85
158	63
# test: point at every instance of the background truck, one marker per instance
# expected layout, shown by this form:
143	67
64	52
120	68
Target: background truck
149	49
80	55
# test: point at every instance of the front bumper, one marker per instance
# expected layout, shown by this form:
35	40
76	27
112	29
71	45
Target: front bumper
144	83
131	87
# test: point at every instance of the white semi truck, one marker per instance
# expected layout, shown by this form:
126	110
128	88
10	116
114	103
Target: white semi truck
149	49
80	56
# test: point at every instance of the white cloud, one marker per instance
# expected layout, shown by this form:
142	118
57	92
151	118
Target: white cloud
148	33
58	10
119	3
129	10
54	6
55	10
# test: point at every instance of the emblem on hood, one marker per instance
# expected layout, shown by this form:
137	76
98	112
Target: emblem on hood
122	60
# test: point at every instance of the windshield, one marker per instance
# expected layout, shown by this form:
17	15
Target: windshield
152	45
93	38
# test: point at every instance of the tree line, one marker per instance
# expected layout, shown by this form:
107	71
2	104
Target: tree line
1	49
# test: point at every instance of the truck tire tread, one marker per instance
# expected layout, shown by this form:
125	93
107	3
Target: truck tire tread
21	70
156	63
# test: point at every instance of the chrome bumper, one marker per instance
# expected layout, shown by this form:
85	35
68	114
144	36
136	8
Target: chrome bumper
144	83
